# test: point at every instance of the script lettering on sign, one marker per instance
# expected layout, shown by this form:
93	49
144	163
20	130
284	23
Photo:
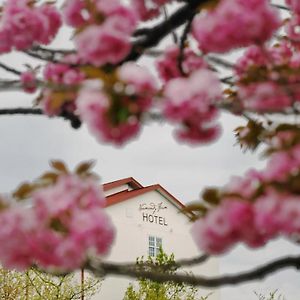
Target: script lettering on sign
152	207
150	211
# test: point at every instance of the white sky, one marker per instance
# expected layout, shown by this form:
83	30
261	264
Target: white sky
28	143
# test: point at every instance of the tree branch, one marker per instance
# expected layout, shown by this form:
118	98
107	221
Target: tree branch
102	269
9	69
150	37
183	39
74	120
281	7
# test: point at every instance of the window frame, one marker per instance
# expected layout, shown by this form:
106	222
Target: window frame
154	244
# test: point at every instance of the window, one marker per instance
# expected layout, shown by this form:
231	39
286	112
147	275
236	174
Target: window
154	244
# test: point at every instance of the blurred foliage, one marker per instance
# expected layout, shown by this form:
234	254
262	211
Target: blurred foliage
36	285
150	290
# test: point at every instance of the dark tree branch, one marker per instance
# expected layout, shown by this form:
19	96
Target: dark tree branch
74	120
148	37
172	31
281	7
221	62
102	269
183	39
152	36
9	69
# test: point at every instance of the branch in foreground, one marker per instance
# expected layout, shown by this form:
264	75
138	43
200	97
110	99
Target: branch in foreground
74	120
152	36
177	264
103	269
10	70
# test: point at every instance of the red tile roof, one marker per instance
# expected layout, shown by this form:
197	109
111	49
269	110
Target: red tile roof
126	195
129	180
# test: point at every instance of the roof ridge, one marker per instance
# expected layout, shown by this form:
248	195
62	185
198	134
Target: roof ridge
127	180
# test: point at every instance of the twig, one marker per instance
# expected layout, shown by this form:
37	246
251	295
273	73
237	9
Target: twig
103	269
9	69
220	61
173	32
182	44
281	7
74	120
152	36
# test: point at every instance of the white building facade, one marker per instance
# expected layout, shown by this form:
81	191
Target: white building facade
145	218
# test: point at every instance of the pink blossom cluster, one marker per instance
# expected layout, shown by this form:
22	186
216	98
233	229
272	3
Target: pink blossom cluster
235	23
23	24
28	80
295	5
148	9
235	220
281	167
292	30
268	78
63	225
167	64
105	36
191	102
254	209
59	76
115	116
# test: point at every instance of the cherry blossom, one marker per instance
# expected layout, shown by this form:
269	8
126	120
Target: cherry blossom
28	80
93	107
216	31
22	25
167	65
191	102
64	224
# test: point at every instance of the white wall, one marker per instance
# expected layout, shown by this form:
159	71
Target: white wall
133	229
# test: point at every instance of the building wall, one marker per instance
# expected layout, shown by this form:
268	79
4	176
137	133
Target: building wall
137	218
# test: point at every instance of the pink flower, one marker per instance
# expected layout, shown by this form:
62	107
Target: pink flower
191	101
6	42
245	186
216	31
224	226
28	24
28	80
294	4
148	9
17	225
103	44
93	107
167	65
292	29
277	213
280	166
71	223
73	12
264	97
61	98
139	80
63	73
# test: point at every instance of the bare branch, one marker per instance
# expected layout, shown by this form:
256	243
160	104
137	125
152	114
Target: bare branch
220	61
9	69
182	44
74	120
281	7
102	269
153	35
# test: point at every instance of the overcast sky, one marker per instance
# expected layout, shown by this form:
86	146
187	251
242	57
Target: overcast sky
28	143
